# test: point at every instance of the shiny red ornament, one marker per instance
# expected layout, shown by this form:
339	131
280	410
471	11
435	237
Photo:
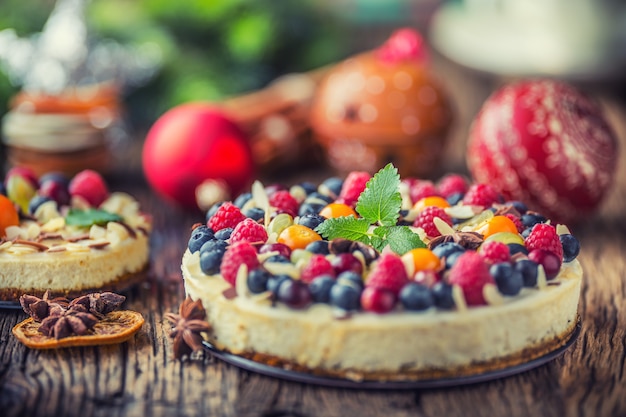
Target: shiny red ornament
192	143
544	143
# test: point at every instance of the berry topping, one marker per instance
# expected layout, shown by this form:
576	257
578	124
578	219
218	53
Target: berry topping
516	221
377	300
276	247
297	236
311	220
528	269
352	187
320	288
36	202
318	265
452	184
345	262
284	202
319	246
421	189
199	237
257	280
497	224
237	255
416	297
248	230
210	261
8	215
425	220
544	236
90	186
470	272
227	215
331	187
334	210
442	295
481	195
294	293
55	189
495	252
345	295
388	273
508	279
224	234
551	263
571	247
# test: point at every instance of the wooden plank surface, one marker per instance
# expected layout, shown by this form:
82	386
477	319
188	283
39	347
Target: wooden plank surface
140	377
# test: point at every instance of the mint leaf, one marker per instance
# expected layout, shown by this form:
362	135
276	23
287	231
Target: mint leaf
89	217
402	239
381	201
345	227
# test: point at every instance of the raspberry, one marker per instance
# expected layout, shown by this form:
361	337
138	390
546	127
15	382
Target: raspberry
248	230
90	186
544	236
353	186
517	221
481	195
388	273
236	255
470	272
495	252
284	202
318	265
425	220
452	184
422	188
227	215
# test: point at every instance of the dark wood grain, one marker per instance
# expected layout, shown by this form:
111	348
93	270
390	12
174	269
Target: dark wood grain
140	377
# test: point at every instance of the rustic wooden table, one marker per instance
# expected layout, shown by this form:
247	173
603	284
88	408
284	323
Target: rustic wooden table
141	378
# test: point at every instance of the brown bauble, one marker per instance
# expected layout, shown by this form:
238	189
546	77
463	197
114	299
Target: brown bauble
383	106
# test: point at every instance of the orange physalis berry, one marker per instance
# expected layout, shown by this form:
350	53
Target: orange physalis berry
434	200
497	224
422	259
297	236
334	210
8	215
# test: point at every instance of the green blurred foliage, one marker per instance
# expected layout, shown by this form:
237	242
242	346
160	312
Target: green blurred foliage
212	49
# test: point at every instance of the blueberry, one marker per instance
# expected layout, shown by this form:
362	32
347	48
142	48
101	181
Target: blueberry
530	219
447	248
213	246
508	279
526	232
311	220
257	280
275	281
345	297
454	199
416	297
319	247
517	248
452	258
442	295
333	184
278	259
308	187
210	261
529	270
571	247
224	234
519	206
242	199
57	177
255	213
199	237
213	210
320	288
35	202
401	221
319	196
310	208
294	293
351	278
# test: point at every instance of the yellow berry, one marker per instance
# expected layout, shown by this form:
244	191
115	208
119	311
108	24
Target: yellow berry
297	236
334	210
423	259
497	224
434	200
8	215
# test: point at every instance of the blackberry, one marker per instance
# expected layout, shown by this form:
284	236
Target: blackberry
571	247
199	237
442	295
311	220
257	280
508	280
416	297
320	288
529	270
224	234
319	247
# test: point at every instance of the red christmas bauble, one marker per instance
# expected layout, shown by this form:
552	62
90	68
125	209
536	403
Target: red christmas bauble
192	143
544	143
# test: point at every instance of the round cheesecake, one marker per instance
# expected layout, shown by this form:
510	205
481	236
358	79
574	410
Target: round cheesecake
49	250
504	328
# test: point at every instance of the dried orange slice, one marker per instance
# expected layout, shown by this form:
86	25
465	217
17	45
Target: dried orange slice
115	327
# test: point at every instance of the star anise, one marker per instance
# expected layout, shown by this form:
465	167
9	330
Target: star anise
62	322
469	240
99	304
189	323
38	308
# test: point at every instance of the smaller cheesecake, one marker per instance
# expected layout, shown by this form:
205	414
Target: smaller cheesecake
380	279
69	237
